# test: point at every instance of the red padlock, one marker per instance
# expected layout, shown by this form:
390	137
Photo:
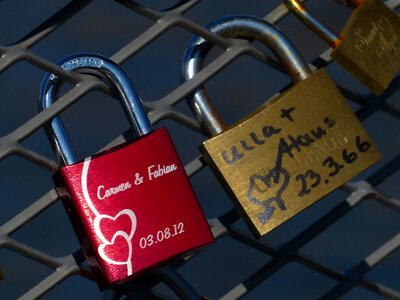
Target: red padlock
132	206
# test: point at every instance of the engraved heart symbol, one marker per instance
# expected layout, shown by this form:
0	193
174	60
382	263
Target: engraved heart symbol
118	251
106	226
115	232
278	179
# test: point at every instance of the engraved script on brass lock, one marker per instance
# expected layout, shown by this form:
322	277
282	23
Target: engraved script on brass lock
292	151
370	47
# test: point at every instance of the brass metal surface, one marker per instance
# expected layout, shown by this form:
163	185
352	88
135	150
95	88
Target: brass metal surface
290	153
370	46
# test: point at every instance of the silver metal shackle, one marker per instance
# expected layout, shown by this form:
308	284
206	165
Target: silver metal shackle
236	26
89	63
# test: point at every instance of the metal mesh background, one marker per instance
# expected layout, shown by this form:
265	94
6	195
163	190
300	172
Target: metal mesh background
279	254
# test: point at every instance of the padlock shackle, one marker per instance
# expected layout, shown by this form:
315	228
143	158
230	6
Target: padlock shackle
236	26
91	63
322	30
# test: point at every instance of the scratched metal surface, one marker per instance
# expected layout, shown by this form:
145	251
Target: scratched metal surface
347	246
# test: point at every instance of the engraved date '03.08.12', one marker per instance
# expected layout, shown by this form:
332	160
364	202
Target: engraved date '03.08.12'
162	235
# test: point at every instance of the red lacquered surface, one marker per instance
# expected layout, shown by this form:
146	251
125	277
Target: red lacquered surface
136	207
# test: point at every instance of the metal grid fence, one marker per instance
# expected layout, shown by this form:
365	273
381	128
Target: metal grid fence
165	108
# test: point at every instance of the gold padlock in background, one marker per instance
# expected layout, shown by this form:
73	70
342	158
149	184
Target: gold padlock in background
369	45
291	151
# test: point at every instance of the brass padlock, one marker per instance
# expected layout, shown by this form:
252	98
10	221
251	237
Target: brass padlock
292	150
369	45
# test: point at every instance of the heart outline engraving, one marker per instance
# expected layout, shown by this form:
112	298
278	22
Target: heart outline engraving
127	212
99	217
122	233
103	255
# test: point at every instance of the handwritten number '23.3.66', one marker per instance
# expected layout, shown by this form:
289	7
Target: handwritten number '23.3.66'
314	179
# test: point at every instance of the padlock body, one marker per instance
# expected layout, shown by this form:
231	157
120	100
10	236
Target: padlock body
291	152
133	207
370	45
